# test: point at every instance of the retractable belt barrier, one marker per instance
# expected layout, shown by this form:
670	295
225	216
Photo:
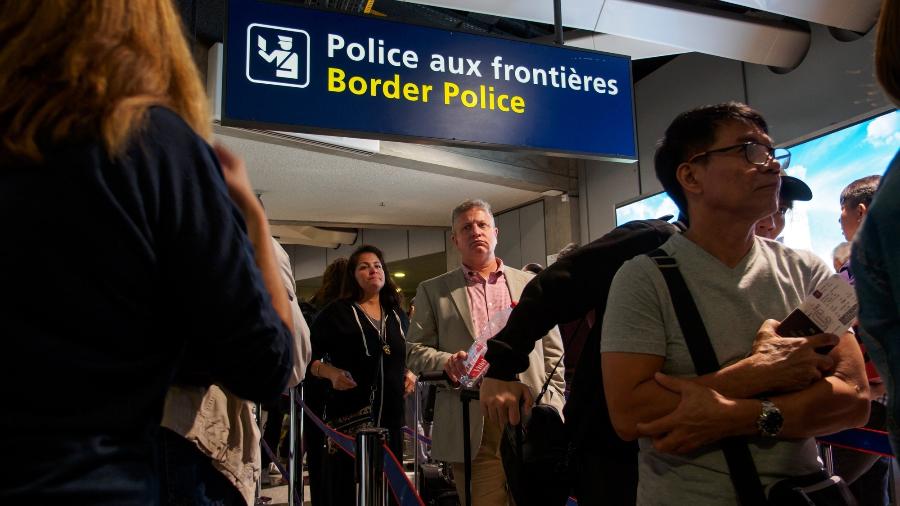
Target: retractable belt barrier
864	440
274	459
399	483
422	439
861	439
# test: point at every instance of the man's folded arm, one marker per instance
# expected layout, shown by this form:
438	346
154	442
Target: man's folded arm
836	402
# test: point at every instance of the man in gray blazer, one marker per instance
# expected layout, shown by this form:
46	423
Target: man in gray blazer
451	310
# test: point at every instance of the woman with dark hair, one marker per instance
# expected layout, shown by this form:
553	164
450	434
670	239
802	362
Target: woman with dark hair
359	347
332	283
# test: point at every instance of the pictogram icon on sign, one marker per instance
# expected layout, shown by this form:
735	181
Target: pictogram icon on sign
277	55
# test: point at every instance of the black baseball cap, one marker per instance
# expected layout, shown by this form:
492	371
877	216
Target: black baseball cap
794	189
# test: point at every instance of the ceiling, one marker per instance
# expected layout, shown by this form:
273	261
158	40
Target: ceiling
306	186
768	32
410	185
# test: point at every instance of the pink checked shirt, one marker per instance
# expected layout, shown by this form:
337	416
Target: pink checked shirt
486	296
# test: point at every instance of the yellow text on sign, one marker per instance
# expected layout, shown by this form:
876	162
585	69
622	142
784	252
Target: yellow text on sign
388	88
484	98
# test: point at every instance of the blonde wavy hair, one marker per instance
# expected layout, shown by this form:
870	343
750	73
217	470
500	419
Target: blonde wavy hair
89	70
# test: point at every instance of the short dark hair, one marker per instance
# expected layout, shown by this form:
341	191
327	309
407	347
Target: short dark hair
388	296
693	132
860	191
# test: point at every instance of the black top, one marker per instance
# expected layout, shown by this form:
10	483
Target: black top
568	289
111	271
336	334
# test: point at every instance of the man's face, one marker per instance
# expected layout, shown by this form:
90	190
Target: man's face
475	236
851	218
766	227
772	226
727	183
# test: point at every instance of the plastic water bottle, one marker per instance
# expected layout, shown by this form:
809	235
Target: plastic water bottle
475	363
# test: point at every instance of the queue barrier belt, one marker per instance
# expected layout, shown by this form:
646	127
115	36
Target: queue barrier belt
861	439
422	439
864	440
274	459
399	483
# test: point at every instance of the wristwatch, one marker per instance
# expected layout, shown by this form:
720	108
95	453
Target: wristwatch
770	420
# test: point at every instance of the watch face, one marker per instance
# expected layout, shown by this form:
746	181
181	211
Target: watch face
770	421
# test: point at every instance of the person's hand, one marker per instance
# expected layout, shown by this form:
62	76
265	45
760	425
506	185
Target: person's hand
236	179
340	379
455	366
500	400
701	418
409	383
790	363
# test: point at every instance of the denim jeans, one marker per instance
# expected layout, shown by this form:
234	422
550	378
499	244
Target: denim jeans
876	265
66	469
187	476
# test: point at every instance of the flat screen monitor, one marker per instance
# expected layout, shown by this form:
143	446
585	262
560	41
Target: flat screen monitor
827	163
645	207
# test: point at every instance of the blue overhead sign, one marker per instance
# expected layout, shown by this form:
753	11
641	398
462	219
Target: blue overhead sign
300	69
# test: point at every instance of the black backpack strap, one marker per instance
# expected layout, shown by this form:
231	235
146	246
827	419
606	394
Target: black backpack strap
744	476
537	399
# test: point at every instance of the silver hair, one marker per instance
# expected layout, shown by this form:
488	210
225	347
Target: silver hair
470	204
841	252
567	250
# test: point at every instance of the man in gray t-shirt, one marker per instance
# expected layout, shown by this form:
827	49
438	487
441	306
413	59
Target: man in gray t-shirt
718	164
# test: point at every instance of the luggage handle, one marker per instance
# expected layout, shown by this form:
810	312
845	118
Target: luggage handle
433	377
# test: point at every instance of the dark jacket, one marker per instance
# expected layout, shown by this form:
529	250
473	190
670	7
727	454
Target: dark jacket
110	272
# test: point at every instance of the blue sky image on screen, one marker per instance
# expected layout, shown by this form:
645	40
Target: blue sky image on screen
829	163
653	206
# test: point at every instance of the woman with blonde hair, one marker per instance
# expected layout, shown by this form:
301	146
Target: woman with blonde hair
115	204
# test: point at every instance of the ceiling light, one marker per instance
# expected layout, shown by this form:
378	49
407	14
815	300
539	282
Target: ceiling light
399	274
552	193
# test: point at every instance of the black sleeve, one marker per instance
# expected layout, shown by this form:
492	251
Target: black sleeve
323	331
404	321
208	267
566	291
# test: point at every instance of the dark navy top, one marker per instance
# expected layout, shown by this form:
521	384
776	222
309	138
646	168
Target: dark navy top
112	273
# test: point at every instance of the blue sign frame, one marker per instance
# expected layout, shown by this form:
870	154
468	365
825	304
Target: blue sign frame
302	69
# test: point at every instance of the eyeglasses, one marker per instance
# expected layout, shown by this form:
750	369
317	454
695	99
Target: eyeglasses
755	153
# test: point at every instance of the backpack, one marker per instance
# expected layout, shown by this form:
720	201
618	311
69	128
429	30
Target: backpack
563	292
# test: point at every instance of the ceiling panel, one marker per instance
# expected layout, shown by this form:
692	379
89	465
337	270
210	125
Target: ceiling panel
306	186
